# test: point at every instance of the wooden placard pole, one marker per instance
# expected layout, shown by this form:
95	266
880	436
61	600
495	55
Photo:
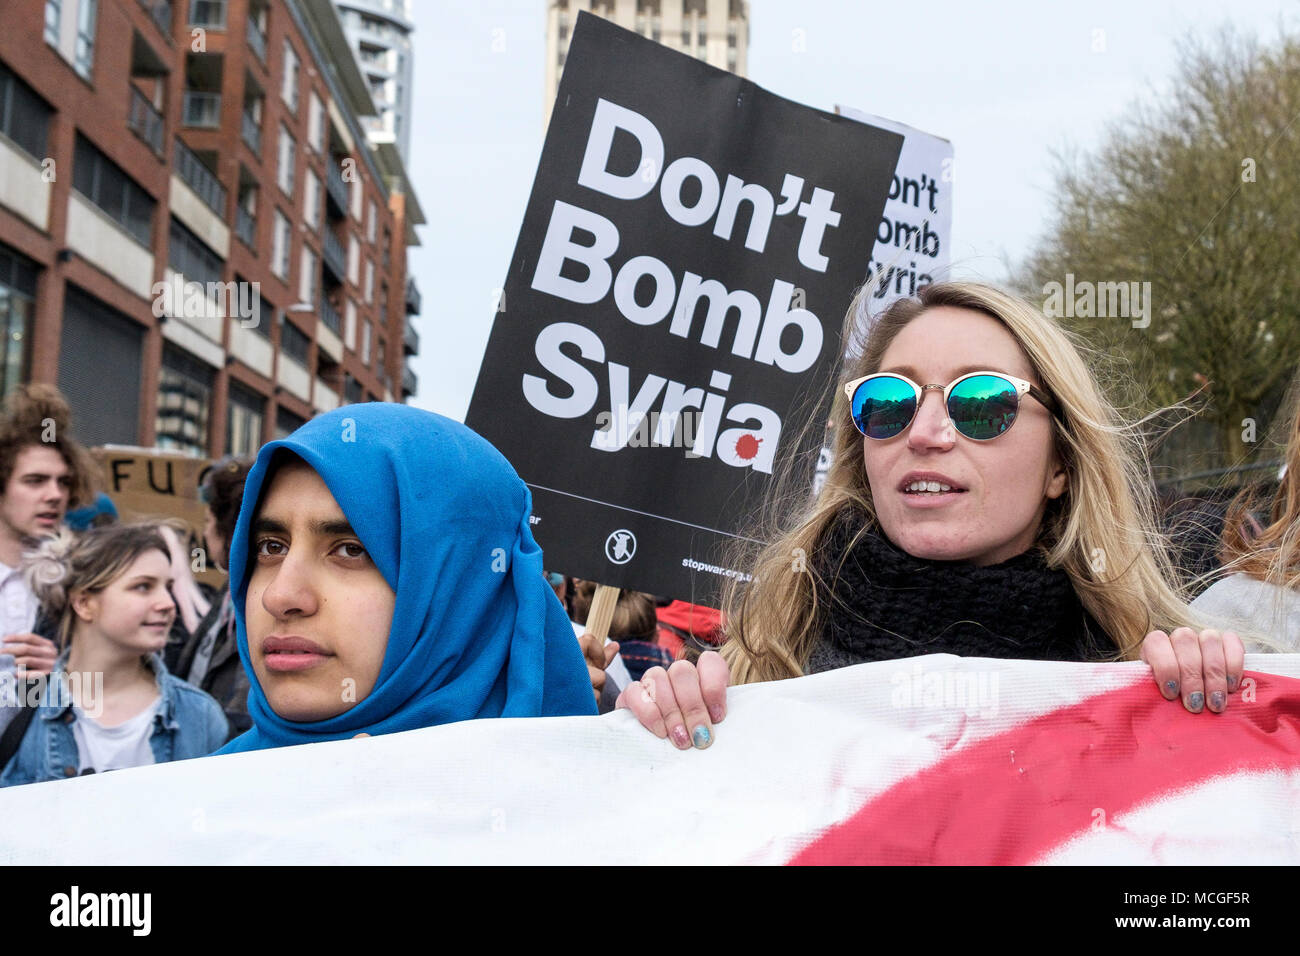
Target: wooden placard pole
601	613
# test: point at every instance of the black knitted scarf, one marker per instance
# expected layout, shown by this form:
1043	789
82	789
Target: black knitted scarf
880	603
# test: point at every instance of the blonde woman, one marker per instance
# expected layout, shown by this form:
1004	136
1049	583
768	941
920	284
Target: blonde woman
1263	593
109	703
985	500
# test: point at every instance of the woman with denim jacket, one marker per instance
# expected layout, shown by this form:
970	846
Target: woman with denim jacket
110	703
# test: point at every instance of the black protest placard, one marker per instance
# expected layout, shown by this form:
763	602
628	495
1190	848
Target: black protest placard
687	255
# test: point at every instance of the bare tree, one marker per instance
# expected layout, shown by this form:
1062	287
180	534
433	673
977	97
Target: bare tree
1197	194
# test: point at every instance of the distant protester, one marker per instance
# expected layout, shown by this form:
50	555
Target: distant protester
384	578
43	472
1261	595
109	703
633	626
209	659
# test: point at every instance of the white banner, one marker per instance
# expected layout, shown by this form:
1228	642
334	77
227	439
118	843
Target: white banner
931	759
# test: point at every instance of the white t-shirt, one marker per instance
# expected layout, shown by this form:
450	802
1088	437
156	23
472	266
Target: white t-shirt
101	748
18	605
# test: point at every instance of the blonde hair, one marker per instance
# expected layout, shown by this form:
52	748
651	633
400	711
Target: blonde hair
1272	553
64	565
1101	531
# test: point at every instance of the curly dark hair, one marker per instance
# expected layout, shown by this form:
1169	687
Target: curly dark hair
39	415
221	487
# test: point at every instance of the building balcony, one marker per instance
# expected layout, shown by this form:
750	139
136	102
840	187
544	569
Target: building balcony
200	179
336	191
410	340
160	11
252	133
330	316
334	258
201	109
412	297
246	227
409	382
256	40
208	13
145	121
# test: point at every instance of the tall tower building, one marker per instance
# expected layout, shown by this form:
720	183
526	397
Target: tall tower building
716	31
379	32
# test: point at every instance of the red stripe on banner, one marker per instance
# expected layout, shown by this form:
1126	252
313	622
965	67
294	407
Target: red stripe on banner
1014	797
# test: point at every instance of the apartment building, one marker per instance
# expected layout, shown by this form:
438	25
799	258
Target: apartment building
380	33
198	244
716	31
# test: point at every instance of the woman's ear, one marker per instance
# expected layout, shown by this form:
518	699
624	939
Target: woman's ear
85	605
1058	481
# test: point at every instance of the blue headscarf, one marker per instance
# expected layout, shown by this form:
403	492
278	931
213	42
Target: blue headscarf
477	631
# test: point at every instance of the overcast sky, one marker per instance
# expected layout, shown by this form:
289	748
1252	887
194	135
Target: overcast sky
1007	83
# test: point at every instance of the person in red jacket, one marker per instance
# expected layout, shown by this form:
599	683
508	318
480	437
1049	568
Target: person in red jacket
682	625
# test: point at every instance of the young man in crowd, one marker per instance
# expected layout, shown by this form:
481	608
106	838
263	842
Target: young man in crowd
42	471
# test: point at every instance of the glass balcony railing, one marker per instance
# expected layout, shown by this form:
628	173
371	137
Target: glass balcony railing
251	132
201	109
199	178
246	227
145	121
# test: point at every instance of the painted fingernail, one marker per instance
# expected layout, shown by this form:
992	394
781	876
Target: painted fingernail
1217	699
680	740
715	714
1195	701
701	737
1232	682
1171	688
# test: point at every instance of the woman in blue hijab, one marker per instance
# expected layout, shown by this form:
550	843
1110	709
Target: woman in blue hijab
384	578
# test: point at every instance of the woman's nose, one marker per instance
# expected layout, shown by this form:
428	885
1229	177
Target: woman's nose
290	590
931	428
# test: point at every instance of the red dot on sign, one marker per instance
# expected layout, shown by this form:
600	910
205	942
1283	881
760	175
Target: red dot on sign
747	446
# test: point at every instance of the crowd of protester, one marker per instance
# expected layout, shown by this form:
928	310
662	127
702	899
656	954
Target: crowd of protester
392	582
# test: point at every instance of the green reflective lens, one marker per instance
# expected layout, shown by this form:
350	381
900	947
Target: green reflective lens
883	407
983	406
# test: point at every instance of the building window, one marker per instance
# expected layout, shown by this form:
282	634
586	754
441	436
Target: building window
83	51
245	415
24	116
307	277
365	343
53	15
208	13
187	254
294	342
280	242
104	183
288	156
17	298
358	193
352	391
265	312
354	260
316	123
370	281
184	402
370	222
311	199
289	83
286	423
